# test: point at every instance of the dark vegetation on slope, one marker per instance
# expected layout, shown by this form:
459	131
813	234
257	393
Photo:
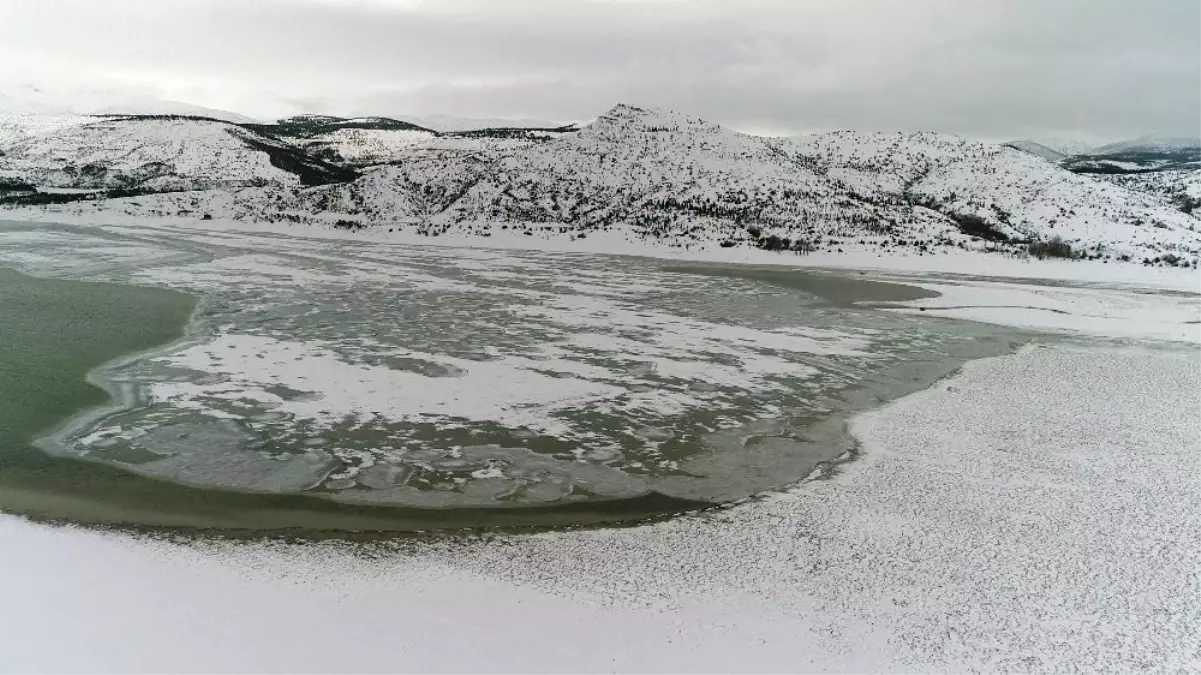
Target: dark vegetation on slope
976	226
311	170
310	126
1145	161
1055	247
773	242
284	156
35	198
11	185
1107	169
971	224
171	118
524	133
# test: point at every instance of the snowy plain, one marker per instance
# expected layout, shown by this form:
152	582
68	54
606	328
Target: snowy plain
1036	513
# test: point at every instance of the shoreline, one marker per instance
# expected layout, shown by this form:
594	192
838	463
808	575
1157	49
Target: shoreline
953	264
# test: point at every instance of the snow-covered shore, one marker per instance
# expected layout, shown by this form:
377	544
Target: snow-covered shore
912	264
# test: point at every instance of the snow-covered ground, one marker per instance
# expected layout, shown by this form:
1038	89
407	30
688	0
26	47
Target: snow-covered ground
1038	512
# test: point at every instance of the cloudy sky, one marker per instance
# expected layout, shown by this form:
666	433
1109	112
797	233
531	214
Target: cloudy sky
988	68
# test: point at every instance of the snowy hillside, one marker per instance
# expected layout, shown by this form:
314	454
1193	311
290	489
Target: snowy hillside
17	99
1027	201
646	175
367	146
148	154
656	174
1013	194
1064	146
1164	168
24	126
1180	189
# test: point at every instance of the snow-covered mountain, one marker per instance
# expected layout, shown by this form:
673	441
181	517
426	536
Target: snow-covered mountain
1150	143
1065	147
1146	153
1164	168
38	100
150	106
996	192
644	174
157	154
1038	150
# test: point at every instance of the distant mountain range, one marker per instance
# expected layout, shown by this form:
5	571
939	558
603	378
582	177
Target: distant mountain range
30	99
645	174
1167	167
1150	143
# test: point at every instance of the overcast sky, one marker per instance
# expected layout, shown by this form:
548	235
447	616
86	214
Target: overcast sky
987	68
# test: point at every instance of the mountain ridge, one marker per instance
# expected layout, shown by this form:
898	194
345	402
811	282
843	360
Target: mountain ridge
653	174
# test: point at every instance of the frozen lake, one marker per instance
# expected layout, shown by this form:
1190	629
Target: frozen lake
413	388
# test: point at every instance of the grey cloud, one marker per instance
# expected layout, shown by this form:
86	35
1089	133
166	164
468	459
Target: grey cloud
991	68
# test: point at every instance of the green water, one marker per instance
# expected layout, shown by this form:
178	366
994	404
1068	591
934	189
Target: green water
53	332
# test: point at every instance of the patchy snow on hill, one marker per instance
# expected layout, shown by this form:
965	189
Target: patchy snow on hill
1180	189
369	146
1017	194
1089	214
